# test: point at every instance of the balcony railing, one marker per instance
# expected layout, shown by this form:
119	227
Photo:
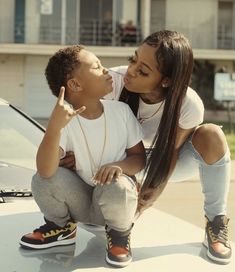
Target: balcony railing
100	33
225	37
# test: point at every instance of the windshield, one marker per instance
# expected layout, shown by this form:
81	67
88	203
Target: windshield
19	138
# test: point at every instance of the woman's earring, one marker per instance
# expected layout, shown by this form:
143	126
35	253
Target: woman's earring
164	85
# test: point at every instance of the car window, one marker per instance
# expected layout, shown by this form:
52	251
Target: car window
19	139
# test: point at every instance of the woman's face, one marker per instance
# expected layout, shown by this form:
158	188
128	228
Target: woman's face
142	75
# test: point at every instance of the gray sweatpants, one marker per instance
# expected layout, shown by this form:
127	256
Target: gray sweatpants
65	195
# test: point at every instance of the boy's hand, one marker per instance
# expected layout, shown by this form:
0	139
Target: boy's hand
68	161
106	174
63	113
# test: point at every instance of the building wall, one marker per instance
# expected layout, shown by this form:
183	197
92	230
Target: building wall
7	20
158	15
196	19
130	10
12	83
32	22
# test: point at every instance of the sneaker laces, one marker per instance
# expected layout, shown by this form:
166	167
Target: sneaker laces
119	239
49	226
219	232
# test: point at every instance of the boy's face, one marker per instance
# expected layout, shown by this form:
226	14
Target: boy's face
92	76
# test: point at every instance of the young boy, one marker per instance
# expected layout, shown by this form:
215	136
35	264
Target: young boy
106	140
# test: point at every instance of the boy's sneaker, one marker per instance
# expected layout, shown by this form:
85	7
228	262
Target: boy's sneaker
118	247
50	235
217	241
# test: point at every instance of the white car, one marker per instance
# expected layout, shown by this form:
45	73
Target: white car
20	137
160	242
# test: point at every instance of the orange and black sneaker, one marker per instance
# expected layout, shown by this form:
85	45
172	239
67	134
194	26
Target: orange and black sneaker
118	247
50	235
217	241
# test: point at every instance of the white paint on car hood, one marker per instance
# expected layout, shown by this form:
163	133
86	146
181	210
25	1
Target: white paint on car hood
160	242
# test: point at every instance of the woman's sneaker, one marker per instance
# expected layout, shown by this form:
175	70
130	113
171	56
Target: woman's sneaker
217	241
50	235
118	247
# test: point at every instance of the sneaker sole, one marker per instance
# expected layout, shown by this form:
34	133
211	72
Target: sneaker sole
117	264
53	250
213	258
64	242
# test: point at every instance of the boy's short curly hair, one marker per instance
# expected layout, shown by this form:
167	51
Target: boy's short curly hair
60	67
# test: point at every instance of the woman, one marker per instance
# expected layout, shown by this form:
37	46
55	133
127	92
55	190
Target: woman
155	85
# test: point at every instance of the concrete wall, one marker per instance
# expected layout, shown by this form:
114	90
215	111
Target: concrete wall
7	21
32	21
12	80
197	19
129	10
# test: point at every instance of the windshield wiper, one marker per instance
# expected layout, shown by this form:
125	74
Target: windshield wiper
14	193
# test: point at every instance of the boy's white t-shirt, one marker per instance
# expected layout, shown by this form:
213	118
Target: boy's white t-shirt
122	132
191	115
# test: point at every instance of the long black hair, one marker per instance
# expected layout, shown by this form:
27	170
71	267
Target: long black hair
174	59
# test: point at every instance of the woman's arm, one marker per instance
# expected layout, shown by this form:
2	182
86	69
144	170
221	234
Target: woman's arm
68	161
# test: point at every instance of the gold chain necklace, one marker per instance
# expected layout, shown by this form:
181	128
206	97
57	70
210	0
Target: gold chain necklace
94	166
143	119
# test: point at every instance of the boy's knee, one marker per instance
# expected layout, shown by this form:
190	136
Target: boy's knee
121	189
124	183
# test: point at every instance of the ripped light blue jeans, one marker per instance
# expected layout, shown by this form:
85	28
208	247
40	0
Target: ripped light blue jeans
215	178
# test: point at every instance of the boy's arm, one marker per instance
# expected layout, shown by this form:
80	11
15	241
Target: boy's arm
49	152
133	163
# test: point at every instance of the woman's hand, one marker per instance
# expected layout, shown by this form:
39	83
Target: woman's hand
68	161
146	200
148	196
106	174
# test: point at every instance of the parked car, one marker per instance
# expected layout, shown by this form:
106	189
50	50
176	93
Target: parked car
20	137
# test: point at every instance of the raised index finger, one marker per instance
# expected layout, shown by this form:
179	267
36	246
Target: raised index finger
61	96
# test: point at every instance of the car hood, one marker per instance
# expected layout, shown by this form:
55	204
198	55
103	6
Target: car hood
15	177
158	240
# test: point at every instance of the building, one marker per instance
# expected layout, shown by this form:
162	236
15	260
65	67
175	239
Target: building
32	30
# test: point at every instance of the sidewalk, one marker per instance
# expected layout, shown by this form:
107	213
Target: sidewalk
185	201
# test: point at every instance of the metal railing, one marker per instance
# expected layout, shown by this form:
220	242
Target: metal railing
225	39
